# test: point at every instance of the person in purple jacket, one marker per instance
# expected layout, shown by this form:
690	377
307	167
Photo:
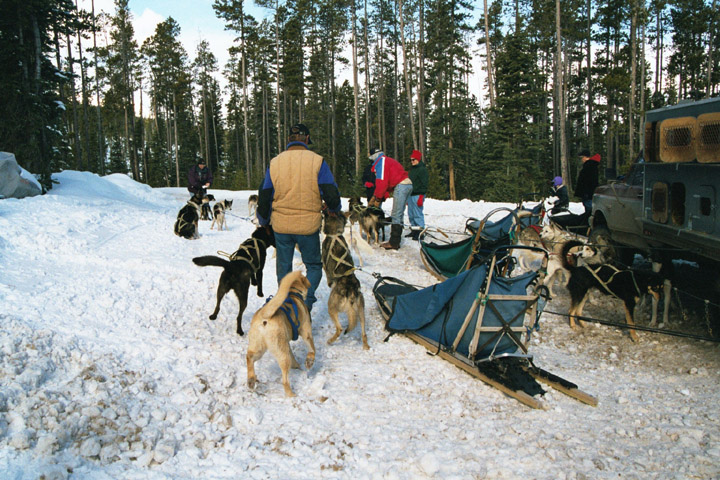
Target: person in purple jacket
199	177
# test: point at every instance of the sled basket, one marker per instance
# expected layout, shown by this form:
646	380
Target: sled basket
479	320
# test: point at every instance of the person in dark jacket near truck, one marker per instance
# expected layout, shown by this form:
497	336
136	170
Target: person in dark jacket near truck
390	176
419	178
199	177
588	179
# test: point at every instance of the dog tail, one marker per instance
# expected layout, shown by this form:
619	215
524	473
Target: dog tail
272	306
210	261
565	252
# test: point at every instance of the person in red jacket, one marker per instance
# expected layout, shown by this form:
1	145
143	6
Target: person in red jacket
391	177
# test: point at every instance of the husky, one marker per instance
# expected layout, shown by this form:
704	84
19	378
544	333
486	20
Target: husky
245	267
622	283
345	293
219	210
252	209
188	217
553	237
207	212
372	222
283	318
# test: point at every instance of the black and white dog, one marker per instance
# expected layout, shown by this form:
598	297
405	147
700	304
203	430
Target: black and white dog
244	267
207	213
622	283
219	210
186	225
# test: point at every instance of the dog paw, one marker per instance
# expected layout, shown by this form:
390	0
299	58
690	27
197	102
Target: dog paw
309	361
240	332
252	383
212	317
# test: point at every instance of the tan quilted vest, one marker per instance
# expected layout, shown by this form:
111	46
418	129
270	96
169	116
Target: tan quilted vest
297	203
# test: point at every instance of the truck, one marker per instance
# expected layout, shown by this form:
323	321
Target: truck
667	205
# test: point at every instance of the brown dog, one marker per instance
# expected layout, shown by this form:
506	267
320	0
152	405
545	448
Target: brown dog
272	329
345	294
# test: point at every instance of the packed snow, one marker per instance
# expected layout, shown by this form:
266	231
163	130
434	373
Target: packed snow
110	367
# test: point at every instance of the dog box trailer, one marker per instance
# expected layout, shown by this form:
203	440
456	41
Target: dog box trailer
671	198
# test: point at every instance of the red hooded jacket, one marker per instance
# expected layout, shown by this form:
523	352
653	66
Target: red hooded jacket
388	173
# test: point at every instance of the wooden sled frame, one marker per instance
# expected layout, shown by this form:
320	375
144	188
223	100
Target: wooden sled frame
472	365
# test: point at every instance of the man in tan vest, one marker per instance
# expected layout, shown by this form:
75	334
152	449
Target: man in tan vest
290	199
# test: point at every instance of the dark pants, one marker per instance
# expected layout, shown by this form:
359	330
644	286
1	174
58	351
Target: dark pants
309	246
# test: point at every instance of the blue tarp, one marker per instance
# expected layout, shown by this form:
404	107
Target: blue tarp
438	312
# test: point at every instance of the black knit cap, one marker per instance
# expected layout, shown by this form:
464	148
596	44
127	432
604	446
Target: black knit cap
302	130
584	153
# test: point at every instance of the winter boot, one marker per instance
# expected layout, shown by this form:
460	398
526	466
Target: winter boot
415	234
395	237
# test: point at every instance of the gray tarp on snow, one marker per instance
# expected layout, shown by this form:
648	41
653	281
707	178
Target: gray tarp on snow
12	183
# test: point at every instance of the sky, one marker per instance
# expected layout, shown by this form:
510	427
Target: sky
110	367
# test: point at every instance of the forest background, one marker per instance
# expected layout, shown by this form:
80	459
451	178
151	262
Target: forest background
79	92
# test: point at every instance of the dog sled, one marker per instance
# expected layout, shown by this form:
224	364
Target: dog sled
448	260
481	321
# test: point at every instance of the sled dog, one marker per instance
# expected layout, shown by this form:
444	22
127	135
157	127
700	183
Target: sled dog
207	212
283	318
186	225
345	294
622	283
219	210
244	267
252	207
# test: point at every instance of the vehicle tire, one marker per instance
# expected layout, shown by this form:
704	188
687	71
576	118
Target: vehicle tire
601	239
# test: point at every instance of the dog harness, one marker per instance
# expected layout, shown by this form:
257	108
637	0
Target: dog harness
182	222
245	247
605	284
290	310
340	260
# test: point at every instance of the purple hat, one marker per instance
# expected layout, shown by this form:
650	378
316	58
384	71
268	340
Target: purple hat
557	181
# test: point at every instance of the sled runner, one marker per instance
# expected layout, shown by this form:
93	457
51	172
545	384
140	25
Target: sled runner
480	321
447	260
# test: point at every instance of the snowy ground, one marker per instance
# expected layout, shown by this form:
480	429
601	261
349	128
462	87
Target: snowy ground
110	368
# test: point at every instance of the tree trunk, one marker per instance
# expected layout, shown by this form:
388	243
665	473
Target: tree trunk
177	159
643	85
488	51
356	99
206	129
713	14
83	89
77	148
408	86
277	69
560	95
143	158
588	55
245	106
421	79
101	137
368	136
633	82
